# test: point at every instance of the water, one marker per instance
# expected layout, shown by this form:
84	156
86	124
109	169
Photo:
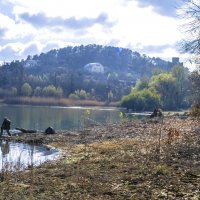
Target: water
60	118
14	156
18	156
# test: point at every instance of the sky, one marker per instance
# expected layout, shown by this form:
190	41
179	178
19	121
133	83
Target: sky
30	27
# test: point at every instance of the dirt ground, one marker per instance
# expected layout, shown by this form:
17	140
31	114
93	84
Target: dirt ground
147	159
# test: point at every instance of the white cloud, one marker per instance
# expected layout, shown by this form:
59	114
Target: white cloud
10	51
6	22
126	25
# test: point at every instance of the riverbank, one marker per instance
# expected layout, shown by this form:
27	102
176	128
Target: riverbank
148	159
41	101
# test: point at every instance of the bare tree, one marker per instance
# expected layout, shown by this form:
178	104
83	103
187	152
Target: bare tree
191	14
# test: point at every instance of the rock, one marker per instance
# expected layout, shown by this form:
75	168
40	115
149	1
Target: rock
50	130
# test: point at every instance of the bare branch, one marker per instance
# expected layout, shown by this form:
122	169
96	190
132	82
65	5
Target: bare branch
191	12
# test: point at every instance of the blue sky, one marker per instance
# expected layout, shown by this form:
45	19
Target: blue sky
29	27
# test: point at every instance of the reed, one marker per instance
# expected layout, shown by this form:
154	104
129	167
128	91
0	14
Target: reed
56	101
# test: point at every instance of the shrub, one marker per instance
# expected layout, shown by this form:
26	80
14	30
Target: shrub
26	89
141	100
73	96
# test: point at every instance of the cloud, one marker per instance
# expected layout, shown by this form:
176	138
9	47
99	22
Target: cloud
164	51
9	53
7	8
2	32
31	49
41	20
113	42
156	49
28	27
17	51
24	40
50	46
163	7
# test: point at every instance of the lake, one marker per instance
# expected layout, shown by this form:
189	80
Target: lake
16	156
60	118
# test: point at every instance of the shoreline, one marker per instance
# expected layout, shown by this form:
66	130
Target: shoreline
44	101
128	160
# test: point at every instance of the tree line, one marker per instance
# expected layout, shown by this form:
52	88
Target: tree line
60	73
168	90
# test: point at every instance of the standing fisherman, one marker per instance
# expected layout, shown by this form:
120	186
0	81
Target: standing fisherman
5	126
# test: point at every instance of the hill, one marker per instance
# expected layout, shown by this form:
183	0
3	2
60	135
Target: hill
88	72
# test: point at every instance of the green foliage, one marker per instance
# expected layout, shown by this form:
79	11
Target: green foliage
162	169
161	81
49	91
183	86
171	87
73	96
141	100
38	91
61	71
26	89
110	96
52	91
8	92
123	116
142	83
158	70
165	85
13	91
179	72
37	80
59	92
79	94
82	94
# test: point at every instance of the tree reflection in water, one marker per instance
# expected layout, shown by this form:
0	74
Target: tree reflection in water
18	156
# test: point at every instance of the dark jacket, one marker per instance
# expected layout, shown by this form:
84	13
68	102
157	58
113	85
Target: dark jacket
6	124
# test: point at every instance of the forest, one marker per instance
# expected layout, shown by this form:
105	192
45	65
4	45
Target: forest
62	73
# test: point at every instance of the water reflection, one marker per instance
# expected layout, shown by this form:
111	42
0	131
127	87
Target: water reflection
61	118
18	156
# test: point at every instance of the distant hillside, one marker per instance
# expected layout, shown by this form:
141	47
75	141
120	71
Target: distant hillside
114	58
94	69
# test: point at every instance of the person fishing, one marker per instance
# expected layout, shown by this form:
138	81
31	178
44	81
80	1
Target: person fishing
5	126
156	113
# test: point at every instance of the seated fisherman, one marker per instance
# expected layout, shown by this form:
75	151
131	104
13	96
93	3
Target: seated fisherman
160	114
156	113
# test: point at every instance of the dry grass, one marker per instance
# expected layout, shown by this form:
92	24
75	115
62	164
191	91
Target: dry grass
56	101
138	162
